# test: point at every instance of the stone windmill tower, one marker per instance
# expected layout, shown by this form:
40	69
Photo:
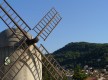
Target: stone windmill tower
20	58
9	44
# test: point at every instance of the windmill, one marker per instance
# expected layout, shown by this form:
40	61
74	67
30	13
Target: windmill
26	52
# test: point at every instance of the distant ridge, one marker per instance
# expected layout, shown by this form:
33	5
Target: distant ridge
83	53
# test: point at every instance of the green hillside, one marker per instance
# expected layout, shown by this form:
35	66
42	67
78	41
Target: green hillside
83	53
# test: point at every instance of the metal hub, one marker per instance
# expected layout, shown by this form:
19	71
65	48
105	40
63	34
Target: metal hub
32	41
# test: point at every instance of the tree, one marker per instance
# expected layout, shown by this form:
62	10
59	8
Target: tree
78	74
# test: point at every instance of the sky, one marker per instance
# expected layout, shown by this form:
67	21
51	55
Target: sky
82	20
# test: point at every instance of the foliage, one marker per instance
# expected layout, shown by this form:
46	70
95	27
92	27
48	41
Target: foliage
78	74
82	53
46	75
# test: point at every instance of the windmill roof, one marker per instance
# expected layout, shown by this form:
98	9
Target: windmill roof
7	38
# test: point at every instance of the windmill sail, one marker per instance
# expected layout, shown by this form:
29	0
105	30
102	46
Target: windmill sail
15	57
19	58
48	65
43	29
12	19
55	64
47	24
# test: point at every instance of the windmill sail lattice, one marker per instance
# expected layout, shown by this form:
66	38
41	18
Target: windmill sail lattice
55	64
15	56
43	29
46	25
12	19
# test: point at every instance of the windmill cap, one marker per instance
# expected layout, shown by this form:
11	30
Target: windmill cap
7	37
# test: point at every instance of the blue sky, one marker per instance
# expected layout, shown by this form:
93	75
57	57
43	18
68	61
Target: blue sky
83	20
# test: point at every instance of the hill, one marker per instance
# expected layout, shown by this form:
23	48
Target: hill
83	53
